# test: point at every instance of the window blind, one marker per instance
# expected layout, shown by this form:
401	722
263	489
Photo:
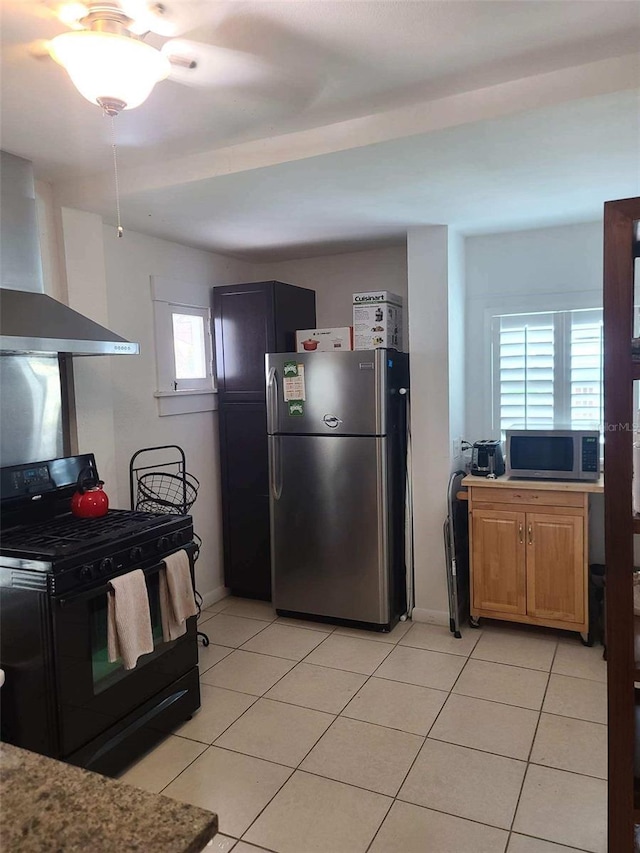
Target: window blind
586	397
526	372
547	370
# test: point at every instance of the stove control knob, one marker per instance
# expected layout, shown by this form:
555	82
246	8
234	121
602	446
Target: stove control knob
177	538
135	554
163	543
85	573
106	566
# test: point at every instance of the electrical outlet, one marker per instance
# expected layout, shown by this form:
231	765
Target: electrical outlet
456	447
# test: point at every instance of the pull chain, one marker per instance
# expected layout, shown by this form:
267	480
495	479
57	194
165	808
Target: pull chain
119	228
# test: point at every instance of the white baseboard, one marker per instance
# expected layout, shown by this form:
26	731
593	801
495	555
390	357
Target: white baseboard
433	617
214	595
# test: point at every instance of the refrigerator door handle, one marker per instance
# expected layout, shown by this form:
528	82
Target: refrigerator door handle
272	400
275	467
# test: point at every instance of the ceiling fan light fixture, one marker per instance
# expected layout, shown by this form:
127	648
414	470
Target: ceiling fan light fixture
107	68
72	14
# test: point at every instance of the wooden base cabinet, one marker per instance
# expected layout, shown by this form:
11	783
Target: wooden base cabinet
529	554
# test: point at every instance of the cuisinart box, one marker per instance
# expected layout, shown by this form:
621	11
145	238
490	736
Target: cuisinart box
324	340
377	320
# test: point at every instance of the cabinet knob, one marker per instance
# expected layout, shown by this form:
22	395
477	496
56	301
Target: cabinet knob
530	533
520	533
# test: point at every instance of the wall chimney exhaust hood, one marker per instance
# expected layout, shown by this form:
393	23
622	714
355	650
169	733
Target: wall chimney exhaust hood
31	321
36	323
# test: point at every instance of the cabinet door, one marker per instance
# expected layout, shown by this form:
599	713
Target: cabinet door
245	499
555	567
498	561
295	309
244	332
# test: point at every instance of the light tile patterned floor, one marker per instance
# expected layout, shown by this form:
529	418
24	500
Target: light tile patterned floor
315	739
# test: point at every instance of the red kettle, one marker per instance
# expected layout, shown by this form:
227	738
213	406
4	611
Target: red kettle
89	501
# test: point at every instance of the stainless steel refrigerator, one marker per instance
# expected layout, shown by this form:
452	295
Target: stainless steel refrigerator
337	463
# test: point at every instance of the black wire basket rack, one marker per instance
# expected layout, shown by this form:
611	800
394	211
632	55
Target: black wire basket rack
162	491
160	483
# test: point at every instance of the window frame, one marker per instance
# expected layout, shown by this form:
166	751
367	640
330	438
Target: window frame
181	396
201	383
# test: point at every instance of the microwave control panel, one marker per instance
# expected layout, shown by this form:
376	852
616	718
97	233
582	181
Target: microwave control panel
590	453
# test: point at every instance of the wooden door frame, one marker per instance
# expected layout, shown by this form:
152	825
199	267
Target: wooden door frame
619	248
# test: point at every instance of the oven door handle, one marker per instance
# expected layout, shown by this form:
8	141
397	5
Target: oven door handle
105	588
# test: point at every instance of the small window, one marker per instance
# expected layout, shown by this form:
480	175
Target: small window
191	349
184	349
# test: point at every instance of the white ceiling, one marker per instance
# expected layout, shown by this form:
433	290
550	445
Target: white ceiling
366	132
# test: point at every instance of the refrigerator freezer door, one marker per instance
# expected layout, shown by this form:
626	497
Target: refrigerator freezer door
344	393
329	526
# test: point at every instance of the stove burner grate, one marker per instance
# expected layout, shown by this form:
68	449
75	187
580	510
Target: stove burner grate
67	533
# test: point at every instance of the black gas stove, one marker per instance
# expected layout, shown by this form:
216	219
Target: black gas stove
74	551
62	695
40	534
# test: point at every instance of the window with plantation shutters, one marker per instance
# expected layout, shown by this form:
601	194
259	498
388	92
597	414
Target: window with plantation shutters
586	398
524	362
547	370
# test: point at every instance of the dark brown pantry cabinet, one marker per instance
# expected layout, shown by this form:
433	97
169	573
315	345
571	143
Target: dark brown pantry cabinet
249	321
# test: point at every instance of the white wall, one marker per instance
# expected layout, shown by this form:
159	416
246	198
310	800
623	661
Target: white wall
541	270
129	263
335	278
428	273
457	345
549	269
86	287
108	279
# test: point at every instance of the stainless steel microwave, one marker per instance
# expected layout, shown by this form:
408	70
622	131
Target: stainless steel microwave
553	454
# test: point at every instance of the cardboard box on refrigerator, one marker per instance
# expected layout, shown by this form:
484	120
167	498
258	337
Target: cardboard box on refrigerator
377	320
324	340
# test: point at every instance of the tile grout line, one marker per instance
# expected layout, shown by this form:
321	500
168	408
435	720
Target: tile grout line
293	770
527	762
397	644
257	698
395	799
533	740
297	768
341	714
383	726
546	841
368	677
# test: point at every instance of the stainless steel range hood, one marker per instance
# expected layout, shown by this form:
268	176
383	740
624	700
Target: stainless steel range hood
36	323
31	321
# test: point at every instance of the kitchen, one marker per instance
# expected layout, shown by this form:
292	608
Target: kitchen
117	411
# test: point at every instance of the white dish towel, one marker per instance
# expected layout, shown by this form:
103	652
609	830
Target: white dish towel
129	633
177	601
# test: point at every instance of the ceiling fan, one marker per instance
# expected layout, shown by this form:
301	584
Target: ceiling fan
111	64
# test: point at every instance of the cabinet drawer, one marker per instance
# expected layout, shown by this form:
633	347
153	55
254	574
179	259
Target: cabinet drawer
500	494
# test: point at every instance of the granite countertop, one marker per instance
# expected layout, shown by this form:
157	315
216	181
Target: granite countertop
50	806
